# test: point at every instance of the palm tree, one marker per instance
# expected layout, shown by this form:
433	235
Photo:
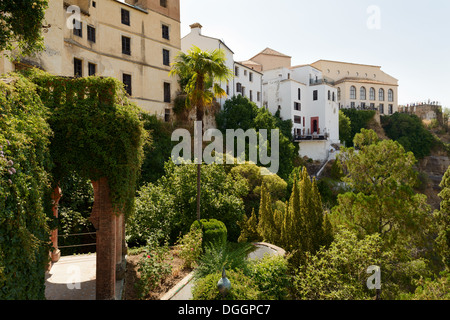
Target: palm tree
201	70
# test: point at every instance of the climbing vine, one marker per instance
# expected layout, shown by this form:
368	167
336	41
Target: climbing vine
97	132
24	183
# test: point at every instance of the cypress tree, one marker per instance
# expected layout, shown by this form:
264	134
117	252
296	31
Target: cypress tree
266	226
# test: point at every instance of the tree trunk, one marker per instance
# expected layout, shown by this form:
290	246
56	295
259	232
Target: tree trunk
199	142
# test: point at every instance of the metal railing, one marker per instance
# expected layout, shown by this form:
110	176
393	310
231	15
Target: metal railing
77	235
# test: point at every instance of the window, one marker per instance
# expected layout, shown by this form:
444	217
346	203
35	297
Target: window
353	92
339	94
126	79
167	115
245	72
125	17
251	95
94	4
381	108
167	92
334	96
297	106
363	105
91	33
236	72
372	94
165	32
299	93
391	109
77	67
297	120
372	106
163	3
126	45
78	28
381	95
92	69
250	77
329	95
315	95
228	88
166	57
391	95
363	93
352	105
238	87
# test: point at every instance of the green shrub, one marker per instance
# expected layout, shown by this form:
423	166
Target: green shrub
229	255
190	247
214	231
242	287
153	267
271	277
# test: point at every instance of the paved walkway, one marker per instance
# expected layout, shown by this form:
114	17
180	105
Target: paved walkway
73	278
183	291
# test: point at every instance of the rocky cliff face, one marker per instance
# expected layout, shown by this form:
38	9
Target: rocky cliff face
434	167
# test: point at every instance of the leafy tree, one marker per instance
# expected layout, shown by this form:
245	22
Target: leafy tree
252	174
203	70
345	128
158	151
240	113
339	272
21	26
381	177
168	207
359	119
410	132
443	221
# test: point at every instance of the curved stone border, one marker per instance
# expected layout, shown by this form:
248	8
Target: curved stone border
279	251
172	292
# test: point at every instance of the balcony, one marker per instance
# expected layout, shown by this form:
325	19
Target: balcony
325	80
306	135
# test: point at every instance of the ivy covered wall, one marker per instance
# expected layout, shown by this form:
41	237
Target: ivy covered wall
50	127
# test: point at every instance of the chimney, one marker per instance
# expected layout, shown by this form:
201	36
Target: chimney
196	27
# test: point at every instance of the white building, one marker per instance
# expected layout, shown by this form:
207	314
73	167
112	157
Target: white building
300	94
246	81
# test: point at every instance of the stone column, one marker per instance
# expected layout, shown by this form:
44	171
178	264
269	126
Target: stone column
56	253
105	222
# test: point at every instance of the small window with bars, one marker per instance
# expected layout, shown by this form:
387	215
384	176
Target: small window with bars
167	93
91	33
126	45
77	67
125	17
166	57
126	79
92	69
165	32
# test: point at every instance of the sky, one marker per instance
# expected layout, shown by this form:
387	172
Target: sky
409	39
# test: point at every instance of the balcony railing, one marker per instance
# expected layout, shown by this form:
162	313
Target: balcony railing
306	135
314	82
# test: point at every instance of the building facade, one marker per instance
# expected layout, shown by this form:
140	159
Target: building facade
246	81
133	41
300	94
359	86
